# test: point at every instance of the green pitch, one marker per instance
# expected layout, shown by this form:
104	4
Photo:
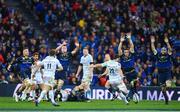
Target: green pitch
7	103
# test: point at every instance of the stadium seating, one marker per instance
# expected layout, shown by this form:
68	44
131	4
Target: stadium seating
96	24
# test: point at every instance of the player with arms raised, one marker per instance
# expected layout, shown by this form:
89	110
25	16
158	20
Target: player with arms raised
64	56
163	64
127	60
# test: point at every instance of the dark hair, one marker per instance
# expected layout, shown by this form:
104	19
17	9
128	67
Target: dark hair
36	53
25	48
52	52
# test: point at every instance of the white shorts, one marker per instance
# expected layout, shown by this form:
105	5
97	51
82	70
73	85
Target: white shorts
87	79
37	81
49	81
119	84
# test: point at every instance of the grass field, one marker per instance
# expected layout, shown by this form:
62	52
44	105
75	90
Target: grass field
7	103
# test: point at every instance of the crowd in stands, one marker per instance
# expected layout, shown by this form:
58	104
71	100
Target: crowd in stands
96	24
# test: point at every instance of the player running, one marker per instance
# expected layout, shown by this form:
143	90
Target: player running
36	78
24	64
127	60
50	64
115	76
64	57
163	64
85	62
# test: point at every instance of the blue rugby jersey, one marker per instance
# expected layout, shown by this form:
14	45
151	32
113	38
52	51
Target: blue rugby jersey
127	63
163	61
65	59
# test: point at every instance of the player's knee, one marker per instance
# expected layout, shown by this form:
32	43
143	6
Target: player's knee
168	83
60	82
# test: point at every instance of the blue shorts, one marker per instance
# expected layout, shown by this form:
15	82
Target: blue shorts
131	76
163	77
25	74
61	75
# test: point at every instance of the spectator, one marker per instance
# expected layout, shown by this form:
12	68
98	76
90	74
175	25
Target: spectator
2	80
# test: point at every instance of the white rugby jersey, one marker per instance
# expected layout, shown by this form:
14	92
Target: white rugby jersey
50	64
113	69
33	68
86	61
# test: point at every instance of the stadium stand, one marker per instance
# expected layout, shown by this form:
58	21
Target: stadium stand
96	24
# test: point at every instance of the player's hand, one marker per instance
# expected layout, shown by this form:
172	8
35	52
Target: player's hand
76	44
92	66
166	39
122	37
99	76
129	35
152	39
8	68
64	43
77	76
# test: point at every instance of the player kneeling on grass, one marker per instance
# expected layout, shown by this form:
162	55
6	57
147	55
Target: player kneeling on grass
77	94
50	64
115	76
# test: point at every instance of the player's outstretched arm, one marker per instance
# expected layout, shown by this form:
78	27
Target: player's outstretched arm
14	61
79	70
96	66
105	73
130	42
152	45
76	49
166	40
60	46
120	44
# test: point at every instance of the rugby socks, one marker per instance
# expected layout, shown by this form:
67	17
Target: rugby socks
123	97
33	94
51	96
88	93
112	91
165	96
43	93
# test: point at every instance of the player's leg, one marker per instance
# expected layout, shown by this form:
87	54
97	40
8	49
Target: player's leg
21	88
26	91
111	90
86	82
164	81
132	81
59	83
120	87
51	96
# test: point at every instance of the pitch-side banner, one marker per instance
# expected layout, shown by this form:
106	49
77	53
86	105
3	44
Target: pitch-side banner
100	93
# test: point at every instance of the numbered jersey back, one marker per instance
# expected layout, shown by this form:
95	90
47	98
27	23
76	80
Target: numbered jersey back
50	65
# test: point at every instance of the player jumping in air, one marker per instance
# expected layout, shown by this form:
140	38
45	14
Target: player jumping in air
127	60
115	76
64	56
24	64
50	64
85	62
163	64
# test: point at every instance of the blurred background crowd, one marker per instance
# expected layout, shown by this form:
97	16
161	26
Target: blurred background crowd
96	24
